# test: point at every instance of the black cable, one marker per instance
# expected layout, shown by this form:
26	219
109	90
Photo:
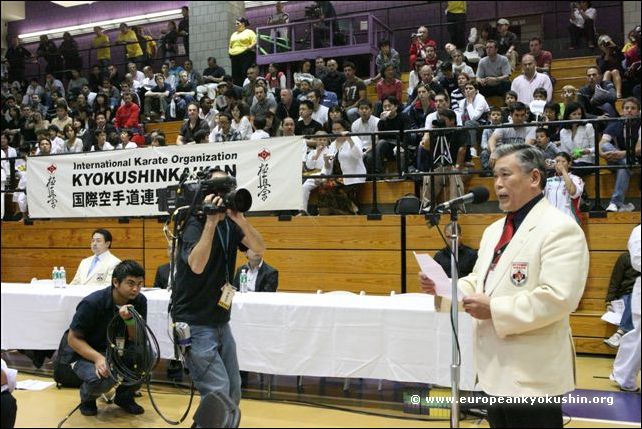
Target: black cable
452	321
143	351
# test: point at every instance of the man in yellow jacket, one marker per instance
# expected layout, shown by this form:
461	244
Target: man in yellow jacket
529	277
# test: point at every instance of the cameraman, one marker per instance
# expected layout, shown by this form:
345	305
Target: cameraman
322	10
204	271
443	151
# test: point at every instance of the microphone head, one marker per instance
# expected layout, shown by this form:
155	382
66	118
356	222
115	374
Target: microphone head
480	194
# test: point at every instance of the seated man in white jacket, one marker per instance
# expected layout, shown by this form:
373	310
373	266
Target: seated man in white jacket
97	269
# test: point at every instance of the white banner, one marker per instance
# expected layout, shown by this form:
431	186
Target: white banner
124	182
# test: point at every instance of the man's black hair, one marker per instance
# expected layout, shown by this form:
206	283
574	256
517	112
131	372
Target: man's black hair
106	235
126	268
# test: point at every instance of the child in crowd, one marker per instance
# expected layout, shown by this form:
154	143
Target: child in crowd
509	98
543	143
564	189
259	129
495	117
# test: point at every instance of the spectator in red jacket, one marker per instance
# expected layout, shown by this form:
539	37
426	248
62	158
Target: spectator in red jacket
418	45
127	114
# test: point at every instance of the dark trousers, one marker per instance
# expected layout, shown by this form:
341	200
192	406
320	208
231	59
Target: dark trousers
457	29
500	89
240	64
8	410
525	415
576	33
94	386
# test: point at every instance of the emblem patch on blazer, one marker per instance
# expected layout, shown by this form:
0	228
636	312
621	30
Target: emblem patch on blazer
519	273
100	277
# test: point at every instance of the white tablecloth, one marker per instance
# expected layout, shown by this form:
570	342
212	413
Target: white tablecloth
397	337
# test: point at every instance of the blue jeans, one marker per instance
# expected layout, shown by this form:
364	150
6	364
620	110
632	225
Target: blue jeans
626	323
212	361
622	178
93	386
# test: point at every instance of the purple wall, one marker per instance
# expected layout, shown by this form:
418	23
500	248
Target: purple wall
41	15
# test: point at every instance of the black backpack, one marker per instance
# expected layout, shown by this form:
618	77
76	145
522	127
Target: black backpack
63	374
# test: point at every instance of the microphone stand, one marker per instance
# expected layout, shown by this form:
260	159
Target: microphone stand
454	315
455	366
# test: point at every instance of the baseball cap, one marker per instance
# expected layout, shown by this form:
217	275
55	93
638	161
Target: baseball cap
503	21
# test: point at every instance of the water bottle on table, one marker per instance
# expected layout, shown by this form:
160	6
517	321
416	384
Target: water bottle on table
54	276
243	280
63	277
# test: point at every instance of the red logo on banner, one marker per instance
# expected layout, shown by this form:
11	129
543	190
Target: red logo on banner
264	154
52	168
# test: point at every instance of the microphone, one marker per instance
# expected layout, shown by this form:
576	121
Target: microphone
476	195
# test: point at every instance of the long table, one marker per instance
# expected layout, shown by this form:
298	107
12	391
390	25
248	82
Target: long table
397	337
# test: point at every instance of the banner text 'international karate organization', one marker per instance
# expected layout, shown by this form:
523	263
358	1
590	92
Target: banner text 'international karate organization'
125	182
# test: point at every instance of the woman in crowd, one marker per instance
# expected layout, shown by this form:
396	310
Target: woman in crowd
578	140
459	66
241	50
473	110
240	120
335	114
101	105
72	144
610	62
348	151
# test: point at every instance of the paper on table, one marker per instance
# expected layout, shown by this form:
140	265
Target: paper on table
34	385
432	269
614	317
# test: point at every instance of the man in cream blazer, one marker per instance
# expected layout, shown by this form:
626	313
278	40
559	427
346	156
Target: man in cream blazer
521	294
97	269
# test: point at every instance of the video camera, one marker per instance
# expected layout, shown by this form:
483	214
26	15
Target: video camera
191	192
312	12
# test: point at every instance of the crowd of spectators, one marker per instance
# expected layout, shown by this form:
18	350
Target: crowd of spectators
105	109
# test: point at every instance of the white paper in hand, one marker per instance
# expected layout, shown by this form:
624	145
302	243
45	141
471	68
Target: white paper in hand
436	273
615	316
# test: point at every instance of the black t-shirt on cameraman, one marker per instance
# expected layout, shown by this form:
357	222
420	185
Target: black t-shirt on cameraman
195	296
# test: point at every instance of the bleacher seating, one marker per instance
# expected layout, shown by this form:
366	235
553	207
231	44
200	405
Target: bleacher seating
328	252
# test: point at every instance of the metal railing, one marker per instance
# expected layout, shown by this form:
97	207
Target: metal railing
402	169
88	59
354	34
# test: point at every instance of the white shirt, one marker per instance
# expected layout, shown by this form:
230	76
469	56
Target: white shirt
557	194
320	115
139	77
11	377
259	135
316	164
359	126
106	146
210	118
350	159
129	145
578	19
252	274
243	127
475	110
525	88
584	139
